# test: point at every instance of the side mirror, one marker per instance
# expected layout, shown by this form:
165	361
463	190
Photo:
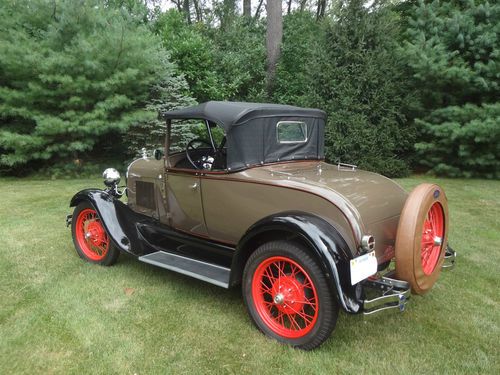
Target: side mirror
158	154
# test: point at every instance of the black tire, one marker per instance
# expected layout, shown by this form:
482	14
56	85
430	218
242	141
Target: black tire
88	249
299	267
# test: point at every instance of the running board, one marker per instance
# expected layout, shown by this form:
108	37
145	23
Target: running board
211	273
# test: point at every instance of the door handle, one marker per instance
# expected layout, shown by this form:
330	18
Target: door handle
194	186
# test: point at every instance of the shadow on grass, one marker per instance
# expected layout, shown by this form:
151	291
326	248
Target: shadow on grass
351	329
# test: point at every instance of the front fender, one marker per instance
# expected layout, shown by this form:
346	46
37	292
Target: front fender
324	241
112	211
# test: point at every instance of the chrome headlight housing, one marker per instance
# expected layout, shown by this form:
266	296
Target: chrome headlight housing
111	177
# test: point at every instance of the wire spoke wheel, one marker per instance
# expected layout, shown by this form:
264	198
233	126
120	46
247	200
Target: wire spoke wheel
91	236
285	297
92	242
288	296
432	238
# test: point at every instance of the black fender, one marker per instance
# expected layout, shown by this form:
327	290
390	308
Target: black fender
138	234
117	218
322	238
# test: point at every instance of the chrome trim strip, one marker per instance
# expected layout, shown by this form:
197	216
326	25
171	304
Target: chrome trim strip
350	167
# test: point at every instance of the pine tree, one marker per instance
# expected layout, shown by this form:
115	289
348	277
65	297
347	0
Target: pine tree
73	75
357	77
453	49
166	95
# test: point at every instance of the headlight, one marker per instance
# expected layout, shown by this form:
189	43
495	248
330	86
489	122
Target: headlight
111	177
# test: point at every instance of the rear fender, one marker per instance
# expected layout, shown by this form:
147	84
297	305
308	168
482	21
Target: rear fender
323	239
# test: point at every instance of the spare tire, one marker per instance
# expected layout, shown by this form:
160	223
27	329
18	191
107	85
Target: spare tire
422	237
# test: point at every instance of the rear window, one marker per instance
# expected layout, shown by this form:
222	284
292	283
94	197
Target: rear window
291	132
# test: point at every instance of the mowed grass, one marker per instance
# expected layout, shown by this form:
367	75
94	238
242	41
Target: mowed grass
62	315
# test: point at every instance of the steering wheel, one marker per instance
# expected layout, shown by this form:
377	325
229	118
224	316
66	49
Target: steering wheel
206	161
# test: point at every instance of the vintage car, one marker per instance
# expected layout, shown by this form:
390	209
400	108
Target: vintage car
250	201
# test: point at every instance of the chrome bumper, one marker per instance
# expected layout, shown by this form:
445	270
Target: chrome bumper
392	294
449	259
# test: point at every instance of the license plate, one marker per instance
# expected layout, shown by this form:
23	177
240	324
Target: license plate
362	267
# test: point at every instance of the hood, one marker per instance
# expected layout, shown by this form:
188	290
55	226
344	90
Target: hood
374	197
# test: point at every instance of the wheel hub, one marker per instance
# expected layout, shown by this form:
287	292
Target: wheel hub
288	294
437	241
279	299
432	238
95	233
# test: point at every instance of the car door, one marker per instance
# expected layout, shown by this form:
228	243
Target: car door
184	205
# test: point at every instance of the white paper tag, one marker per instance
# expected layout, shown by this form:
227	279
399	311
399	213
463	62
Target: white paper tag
363	267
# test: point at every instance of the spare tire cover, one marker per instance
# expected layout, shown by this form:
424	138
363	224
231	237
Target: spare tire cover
422	237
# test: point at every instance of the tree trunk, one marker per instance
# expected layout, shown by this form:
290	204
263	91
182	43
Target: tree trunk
302	5
197	9
228	12
320	11
274	36
178	4
247	8
257	12
187	10
289	7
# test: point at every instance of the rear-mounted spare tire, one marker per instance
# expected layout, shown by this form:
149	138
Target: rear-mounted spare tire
422	237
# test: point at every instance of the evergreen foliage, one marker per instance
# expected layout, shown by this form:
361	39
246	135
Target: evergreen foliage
453	49
357	77
462	141
413	82
293	75
240	57
193	52
218	63
164	96
72	74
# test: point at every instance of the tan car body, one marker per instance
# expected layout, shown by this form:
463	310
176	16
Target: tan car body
222	206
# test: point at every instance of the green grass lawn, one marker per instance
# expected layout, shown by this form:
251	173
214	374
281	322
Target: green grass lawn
59	314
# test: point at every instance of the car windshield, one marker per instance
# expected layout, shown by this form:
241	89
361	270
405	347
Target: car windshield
184	131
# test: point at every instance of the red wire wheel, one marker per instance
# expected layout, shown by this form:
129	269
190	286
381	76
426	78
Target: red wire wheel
432	237
287	295
89	236
422	237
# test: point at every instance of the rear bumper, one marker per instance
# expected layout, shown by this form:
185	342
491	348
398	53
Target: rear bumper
389	294
449	259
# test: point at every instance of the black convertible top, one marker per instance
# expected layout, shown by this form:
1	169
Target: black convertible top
229	114
258	143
